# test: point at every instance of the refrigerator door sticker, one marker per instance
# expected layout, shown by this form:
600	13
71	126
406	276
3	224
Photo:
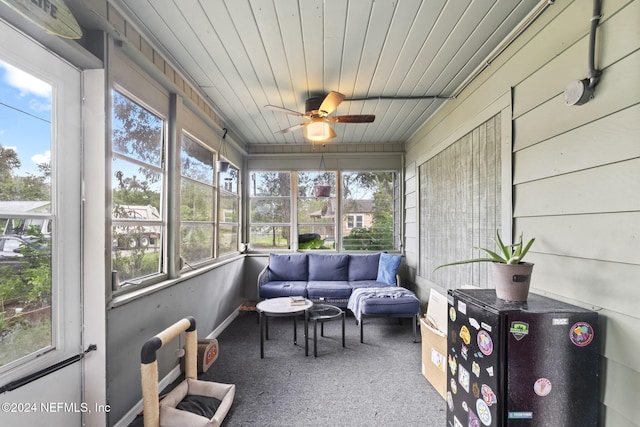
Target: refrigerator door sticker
488	395
475	389
581	334
473	420
453	364
456	422
464	351
454	386
463	378
462	307
519	330
542	387
486	326
485	343
452	314
490	371
483	412
520	415
450	401
475	368
465	336
473	322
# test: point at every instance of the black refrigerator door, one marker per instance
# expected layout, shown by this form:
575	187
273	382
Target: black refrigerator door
474	365
552	369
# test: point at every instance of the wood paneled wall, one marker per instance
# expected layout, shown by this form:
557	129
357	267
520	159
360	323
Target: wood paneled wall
576	174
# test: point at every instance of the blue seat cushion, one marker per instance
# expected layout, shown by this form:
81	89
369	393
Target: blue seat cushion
363	267
331	267
405	306
328	289
288	267
387	268
283	288
355	284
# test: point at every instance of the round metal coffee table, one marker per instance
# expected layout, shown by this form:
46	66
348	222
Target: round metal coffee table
322	313
282	307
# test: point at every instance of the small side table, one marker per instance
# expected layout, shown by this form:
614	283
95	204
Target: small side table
322	313
281	307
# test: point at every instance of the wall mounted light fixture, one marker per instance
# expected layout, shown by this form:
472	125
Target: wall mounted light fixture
579	92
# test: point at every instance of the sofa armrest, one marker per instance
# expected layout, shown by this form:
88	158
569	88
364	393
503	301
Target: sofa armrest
263	276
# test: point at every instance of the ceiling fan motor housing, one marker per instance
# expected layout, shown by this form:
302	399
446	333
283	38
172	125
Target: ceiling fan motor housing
313	104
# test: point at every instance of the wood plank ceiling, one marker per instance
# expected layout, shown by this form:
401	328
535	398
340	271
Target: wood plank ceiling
245	54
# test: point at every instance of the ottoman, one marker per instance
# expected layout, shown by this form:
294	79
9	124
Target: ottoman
390	301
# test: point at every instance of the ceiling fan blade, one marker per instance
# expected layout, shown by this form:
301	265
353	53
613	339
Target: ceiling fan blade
332	133
331	102
283	110
364	118
291	129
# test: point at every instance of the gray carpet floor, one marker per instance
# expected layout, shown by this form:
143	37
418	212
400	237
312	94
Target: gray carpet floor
376	383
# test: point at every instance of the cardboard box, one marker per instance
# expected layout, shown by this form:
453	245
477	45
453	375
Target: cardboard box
433	328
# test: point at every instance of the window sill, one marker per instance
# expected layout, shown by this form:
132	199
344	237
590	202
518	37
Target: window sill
125	298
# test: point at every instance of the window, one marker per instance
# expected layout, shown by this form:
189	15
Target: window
40	166
197	201
138	180
355	221
228	215
361	214
316	210
25	203
369	210
270	210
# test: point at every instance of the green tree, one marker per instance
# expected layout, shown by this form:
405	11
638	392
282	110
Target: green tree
380	187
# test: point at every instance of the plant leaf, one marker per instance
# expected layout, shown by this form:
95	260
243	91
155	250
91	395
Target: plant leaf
505	250
526	248
494	256
468	261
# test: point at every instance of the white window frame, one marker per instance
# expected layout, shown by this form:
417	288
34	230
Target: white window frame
214	188
162	274
66	199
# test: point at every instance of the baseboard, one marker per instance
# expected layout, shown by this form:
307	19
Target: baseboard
172	375
226	322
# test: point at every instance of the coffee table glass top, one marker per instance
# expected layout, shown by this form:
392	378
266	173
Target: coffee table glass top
324	312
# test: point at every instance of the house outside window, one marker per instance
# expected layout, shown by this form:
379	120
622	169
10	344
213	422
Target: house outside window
370	210
365	205
138	180
355	220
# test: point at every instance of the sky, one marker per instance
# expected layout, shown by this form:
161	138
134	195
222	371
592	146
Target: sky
25	117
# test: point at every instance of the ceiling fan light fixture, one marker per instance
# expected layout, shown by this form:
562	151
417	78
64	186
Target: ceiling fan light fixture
317	130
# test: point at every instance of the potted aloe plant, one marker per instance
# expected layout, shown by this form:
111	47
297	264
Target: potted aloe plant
511	275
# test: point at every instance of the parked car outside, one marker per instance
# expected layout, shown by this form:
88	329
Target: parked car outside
13	248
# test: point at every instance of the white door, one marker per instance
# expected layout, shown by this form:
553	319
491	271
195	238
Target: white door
40	183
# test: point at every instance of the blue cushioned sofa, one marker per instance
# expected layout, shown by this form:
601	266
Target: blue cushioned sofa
329	278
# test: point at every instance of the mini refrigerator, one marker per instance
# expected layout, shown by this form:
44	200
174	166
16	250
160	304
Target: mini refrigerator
509	364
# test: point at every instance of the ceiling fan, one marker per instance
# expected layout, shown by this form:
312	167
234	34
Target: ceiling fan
318	110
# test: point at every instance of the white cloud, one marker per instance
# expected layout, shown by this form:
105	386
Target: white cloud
42	158
26	83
